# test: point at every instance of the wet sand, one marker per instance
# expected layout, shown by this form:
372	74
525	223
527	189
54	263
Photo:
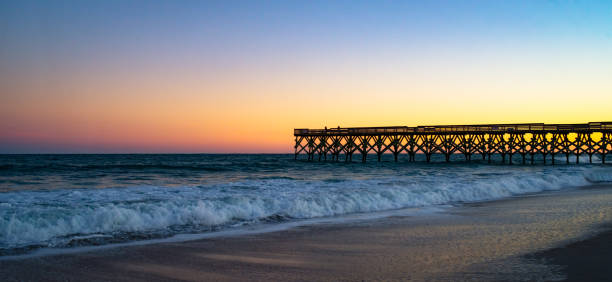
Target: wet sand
511	240
585	260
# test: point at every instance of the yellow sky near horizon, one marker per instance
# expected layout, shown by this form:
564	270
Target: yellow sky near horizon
256	114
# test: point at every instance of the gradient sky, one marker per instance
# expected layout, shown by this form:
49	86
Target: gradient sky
238	76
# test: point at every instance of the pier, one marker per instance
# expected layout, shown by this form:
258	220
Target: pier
565	141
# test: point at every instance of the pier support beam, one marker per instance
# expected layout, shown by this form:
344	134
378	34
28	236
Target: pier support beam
487	140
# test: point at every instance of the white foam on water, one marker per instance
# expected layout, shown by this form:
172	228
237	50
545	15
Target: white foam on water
54	218
598	175
239	231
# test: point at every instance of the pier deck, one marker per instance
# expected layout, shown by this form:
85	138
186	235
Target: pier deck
507	140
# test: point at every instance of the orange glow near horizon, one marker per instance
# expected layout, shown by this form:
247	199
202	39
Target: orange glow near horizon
257	118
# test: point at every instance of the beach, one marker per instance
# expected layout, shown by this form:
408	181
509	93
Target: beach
305	140
513	239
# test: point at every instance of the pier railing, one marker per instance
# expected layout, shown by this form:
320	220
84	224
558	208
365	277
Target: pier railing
593	138
457	128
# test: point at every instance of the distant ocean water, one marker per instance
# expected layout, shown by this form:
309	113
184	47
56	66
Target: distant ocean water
82	200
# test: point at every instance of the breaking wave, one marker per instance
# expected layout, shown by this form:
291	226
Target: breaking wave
62	218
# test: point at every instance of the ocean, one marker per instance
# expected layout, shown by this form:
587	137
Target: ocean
71	201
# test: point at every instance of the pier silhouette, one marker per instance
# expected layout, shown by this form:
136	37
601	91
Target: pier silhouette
485	140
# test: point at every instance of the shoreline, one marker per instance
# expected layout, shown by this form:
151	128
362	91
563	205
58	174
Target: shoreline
263	228
492	240
249	230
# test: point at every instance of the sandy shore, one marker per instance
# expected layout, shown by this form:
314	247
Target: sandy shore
513	239
585	260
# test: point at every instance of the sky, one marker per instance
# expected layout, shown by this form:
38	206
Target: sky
239	76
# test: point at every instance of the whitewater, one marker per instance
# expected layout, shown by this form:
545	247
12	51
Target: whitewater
65	201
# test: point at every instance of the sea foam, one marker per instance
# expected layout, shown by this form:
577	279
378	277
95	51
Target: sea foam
57	218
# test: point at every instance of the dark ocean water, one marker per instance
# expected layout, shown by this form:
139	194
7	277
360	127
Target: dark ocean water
80	200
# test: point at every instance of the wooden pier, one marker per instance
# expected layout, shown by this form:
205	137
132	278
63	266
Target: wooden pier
506	140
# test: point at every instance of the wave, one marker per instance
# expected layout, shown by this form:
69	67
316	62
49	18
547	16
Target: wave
598	175
59	218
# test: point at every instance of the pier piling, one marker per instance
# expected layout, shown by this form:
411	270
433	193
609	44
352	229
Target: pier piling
506	140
